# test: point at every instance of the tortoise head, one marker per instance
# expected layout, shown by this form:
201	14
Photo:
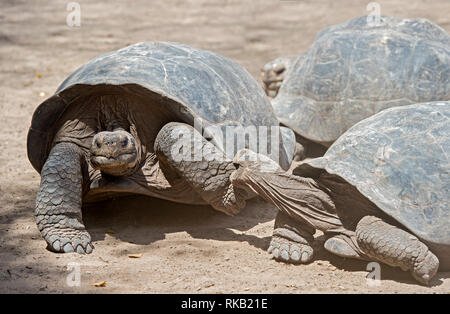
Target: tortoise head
273	74
251	168
114	152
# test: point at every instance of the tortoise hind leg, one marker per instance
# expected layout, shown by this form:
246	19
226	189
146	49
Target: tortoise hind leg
396	247
291	241
182	150
58	202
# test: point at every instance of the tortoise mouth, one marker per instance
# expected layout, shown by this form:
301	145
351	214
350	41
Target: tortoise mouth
111	161
239	178
273	84
117	166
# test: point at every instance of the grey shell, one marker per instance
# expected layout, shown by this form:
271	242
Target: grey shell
355	70
190	82
399	160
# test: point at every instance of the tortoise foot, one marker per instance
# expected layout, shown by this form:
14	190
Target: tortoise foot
68	240
289	247
396	247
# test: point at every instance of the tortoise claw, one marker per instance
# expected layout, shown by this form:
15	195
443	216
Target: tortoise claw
289	251
69	241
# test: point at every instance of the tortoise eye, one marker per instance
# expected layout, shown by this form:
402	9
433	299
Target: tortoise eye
125	142
97	143
279	71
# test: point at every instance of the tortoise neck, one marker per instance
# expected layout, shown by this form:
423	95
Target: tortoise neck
113	113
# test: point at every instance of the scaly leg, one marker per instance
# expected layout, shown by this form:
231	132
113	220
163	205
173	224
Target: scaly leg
208	175
396	247
58	202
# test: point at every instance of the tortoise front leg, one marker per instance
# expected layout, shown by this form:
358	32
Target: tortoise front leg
396	247
291	240
183	152
58	202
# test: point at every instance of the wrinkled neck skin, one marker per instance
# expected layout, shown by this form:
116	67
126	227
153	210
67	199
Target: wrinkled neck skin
116	150
303	199
271	186
251	171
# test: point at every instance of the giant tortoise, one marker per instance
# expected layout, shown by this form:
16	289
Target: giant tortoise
124	124
381	192
355	70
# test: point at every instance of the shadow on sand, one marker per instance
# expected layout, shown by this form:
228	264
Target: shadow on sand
144	220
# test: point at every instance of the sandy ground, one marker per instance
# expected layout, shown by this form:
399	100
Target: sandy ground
185	249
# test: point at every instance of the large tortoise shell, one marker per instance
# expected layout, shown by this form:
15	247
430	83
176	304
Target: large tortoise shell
188	81
356	69
398	159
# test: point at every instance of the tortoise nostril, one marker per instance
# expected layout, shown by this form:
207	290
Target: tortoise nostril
110	143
